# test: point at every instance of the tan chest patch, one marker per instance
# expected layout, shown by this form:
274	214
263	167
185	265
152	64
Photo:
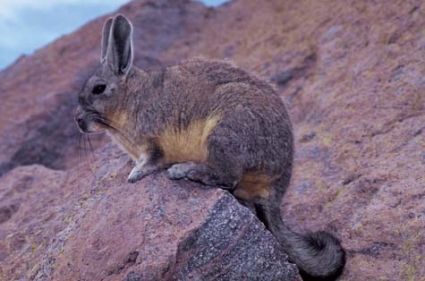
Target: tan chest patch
122	138
253	185
189	144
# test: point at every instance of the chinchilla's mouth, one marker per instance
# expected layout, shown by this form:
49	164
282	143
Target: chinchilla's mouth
89	125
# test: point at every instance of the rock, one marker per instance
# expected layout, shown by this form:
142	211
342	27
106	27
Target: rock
352	77
83	225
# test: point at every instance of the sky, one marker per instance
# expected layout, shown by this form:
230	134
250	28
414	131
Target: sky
28	25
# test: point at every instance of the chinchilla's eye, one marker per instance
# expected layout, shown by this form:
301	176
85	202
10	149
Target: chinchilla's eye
98	89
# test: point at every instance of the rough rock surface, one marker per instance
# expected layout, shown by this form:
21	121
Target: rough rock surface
90	225
351	73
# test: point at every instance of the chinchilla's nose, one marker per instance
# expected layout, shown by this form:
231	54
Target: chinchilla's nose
82	126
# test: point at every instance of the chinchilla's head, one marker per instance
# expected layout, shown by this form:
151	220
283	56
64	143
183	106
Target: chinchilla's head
105	93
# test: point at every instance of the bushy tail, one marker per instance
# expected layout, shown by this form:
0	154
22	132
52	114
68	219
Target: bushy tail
318	255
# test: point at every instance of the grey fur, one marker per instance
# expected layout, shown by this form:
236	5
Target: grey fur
105	39
236	134
120	45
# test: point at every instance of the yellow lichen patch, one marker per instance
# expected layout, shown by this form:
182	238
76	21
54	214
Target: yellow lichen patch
188	144
253	185
35	268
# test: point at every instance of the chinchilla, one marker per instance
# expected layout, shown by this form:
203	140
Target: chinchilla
207	121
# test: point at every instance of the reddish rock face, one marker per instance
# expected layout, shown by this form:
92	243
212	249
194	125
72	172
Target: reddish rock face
86	224
352	76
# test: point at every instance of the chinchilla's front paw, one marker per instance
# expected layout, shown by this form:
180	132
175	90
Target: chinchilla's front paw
136	175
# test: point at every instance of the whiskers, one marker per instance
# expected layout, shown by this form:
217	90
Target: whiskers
84	144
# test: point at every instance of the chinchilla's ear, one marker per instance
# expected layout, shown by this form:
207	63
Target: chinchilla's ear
119	53
105	38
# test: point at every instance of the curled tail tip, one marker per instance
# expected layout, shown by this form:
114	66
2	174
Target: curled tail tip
318	255
329	255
